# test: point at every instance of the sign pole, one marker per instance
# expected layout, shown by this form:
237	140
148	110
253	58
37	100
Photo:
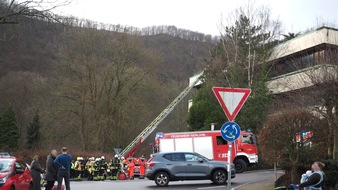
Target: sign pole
229	164
231	100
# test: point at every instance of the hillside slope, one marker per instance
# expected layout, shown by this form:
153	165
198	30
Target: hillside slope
30	61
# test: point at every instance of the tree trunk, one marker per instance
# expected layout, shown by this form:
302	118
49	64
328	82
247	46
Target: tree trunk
335	143
294	173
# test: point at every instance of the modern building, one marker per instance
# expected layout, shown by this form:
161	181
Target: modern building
294	62
299	65
300	68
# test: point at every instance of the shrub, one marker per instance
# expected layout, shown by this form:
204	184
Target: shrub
331	174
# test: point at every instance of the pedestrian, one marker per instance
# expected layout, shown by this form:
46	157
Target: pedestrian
316	179
143	162
51	170
63	161
36	171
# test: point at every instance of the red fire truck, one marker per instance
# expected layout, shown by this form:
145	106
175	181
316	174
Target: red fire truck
211	145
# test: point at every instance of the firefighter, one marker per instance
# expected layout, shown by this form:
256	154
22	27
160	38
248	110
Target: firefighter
85	172
124	165
90	168
96	168
124	162
78	168
137	165
114	167
131	168
103	166
72	169
143	162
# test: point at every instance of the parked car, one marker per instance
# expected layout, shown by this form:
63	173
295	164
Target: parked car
174	166
14	173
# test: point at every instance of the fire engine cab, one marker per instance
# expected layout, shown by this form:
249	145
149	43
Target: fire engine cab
211	145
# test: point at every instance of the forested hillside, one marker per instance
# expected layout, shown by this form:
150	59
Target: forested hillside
92	89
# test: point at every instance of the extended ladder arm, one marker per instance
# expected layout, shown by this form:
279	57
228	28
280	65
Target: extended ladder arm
131	148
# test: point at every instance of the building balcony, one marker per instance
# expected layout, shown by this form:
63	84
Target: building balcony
303	78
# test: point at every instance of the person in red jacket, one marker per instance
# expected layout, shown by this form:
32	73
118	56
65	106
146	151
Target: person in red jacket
143	162
131	167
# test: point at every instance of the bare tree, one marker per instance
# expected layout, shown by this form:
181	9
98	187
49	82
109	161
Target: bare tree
324	78
101	73
12	11
247	37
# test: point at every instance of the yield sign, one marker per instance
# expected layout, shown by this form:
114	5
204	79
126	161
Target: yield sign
231	99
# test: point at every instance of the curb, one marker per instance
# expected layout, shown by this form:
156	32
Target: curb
249	183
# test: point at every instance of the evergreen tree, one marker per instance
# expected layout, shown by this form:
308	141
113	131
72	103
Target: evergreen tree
205	110
236	61
33	134
9	135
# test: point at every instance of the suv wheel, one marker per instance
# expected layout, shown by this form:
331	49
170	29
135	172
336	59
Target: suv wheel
162	179
219	177
12	188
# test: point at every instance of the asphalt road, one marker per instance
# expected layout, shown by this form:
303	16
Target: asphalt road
145	184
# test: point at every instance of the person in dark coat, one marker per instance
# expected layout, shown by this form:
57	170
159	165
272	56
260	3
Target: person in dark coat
63	161
51	170
36	171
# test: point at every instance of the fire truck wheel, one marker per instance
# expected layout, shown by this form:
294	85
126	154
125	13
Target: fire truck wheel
240	165
219	177
162	179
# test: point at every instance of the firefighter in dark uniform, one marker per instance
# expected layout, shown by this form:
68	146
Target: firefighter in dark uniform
96	169
103	166
115	167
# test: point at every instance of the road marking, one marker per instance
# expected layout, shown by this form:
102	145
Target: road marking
248	183
212	187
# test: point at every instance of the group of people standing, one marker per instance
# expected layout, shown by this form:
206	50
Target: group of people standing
99	169
61	168
57	169
129	164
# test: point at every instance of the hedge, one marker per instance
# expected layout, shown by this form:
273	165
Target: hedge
331	174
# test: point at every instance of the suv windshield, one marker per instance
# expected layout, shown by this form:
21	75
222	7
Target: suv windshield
5	166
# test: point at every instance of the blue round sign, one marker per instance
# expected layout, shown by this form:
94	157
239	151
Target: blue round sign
230	131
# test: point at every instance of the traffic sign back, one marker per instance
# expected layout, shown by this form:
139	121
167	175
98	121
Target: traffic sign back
230	131
231	99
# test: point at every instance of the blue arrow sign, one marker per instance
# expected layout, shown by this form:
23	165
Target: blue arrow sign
230	131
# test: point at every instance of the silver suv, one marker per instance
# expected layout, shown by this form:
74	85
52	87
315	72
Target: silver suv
174	166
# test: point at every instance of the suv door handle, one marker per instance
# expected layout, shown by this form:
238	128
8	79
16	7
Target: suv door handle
169	164
189	164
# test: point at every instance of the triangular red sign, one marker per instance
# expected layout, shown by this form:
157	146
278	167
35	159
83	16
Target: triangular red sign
231	99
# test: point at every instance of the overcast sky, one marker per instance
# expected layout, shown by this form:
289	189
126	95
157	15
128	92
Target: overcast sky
200	15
